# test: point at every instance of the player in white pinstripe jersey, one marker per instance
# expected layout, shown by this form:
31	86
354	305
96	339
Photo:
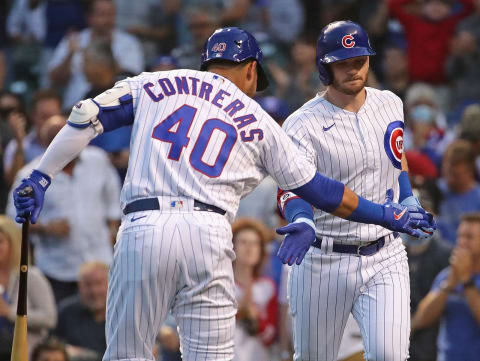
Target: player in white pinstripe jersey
199	143
353	134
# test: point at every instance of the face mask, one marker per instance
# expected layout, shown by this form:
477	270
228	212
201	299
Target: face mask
410	241
422	114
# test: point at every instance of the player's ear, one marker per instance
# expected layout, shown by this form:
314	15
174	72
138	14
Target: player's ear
251	70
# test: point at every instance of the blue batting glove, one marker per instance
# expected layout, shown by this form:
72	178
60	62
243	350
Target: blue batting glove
425	232
30	206
299	237
404	219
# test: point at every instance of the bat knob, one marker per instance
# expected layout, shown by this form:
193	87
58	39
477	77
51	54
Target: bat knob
26	192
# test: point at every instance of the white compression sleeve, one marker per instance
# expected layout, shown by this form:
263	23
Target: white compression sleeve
67	144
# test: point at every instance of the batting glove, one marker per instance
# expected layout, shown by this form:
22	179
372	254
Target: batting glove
404	219
299	237
30	206
425	232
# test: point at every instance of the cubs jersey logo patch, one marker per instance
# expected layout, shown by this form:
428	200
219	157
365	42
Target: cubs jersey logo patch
393	142
348	41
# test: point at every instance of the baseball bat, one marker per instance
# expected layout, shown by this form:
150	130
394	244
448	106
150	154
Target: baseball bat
20	346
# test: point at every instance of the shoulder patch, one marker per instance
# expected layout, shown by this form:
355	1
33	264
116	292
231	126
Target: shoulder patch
393	143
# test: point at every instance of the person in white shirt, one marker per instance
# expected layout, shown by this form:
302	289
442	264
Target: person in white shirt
80	215
66	65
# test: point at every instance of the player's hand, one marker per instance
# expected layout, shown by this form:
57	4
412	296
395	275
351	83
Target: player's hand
405	219
425	232
462	264
300	237
31	205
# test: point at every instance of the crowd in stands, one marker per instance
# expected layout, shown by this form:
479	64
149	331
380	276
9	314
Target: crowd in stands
54	53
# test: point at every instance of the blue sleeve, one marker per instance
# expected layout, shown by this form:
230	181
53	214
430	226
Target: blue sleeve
323	192
118	115
405	187
297	208
367	212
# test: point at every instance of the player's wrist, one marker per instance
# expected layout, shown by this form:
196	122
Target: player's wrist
308	221
446	287
40	178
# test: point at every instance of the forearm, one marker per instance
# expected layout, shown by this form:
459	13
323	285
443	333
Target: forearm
430	309
473	299
17	163
68	143
61	73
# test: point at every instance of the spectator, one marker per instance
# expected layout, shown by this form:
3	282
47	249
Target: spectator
66	66
256	295
101	71
426	124
202	20
300	82
148	21
26	29
426	258
460	190
10	107
79	218
470	131
46	104
454	298
40	302
164	63
428	34
462	64
395	70
81	318
50	350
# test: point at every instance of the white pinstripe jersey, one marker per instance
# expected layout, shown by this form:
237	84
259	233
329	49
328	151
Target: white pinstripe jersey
197	135
351	148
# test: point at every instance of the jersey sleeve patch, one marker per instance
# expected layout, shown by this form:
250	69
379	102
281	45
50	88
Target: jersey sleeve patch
393	143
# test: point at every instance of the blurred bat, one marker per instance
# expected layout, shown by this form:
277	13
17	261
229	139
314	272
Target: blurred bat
20	346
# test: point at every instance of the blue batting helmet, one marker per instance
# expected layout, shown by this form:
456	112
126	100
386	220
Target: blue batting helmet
338	41
236	45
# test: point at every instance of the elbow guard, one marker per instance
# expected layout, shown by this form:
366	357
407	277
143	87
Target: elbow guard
110	110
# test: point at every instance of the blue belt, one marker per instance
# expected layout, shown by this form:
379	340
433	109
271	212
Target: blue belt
151	204
361	250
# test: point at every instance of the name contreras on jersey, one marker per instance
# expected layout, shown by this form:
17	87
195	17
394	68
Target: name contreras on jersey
203	90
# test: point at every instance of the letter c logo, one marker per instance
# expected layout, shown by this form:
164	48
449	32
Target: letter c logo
348	41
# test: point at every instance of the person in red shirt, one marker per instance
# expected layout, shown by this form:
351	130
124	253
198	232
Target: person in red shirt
428	34
256	295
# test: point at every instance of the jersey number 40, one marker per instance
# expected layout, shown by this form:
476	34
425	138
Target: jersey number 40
182	119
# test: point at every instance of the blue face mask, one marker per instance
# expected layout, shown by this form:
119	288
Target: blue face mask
422	114
410	241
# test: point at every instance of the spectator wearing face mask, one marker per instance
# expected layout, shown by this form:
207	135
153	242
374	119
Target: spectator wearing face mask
426	125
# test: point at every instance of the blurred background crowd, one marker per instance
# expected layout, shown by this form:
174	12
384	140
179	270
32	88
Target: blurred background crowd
54	53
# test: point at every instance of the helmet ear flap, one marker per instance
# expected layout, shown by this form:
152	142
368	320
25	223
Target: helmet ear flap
324	73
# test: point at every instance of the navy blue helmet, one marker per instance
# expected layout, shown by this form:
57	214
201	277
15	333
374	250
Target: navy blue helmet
236	45
337	41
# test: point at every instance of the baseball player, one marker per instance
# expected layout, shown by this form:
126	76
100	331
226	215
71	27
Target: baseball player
199	143
352	134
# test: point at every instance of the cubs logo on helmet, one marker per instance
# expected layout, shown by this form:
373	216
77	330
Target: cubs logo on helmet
348	41
393	143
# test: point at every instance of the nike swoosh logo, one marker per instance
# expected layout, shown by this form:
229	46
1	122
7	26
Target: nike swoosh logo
136	219
328	128
400	215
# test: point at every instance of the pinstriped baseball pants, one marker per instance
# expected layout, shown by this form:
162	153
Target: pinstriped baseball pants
327	286
179	261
